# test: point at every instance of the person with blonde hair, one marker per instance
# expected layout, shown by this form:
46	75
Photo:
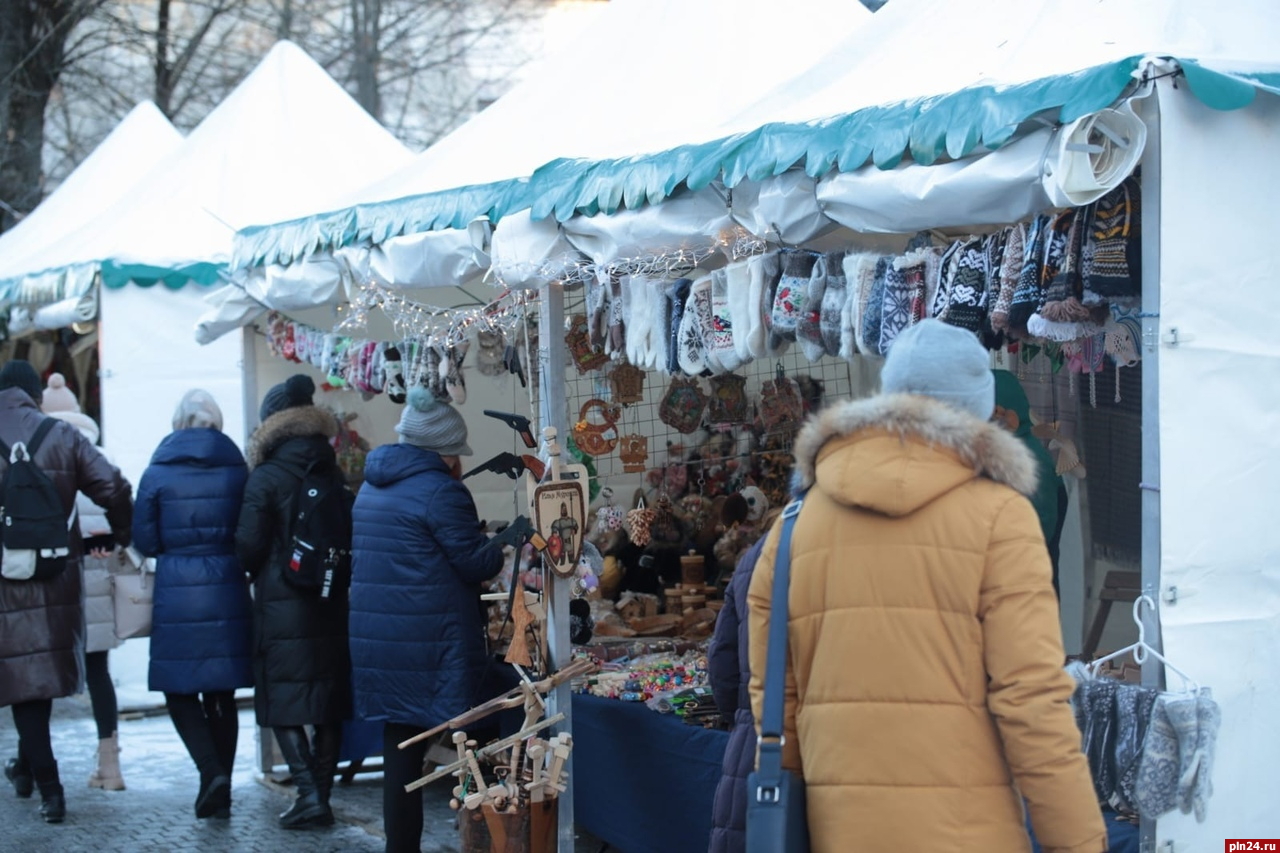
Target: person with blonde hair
188	505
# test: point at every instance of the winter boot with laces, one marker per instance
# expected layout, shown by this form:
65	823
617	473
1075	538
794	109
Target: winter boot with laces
107	775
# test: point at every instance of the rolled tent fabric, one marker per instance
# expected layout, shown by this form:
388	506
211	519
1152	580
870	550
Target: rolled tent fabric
1092	155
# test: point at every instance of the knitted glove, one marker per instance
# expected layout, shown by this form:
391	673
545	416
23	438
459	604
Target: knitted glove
1168	746
1194	784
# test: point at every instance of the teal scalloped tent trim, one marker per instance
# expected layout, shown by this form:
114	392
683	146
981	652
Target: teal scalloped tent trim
116	275
951	125
285	242
955	125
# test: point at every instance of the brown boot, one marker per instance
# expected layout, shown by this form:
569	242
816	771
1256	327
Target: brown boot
107	776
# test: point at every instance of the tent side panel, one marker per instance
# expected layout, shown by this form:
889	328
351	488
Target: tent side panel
149	359
1220	445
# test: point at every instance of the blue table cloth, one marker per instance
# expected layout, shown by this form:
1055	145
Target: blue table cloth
644	782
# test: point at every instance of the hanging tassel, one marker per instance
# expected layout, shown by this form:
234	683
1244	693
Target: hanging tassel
1117	383
1093	388
1071	383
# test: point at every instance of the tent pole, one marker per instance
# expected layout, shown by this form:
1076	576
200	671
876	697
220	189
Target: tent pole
1150	225
249	383
553	413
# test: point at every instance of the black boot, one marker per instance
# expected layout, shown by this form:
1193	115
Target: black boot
53	806
307	808
17	772
214	799
328	742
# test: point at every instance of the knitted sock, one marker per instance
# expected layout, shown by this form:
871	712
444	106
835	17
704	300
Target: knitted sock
896	311
1156	789
791	295
940	296
873	312
809	323
912	267
1027	292
1010	269
677	297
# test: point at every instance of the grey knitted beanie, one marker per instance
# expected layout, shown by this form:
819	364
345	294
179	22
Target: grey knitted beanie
433	424
944	362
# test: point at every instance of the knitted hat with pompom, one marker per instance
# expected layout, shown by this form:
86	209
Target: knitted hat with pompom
433	424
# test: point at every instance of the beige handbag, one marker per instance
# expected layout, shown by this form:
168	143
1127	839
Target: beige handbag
132	593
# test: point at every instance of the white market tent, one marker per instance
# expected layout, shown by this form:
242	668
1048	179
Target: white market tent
1206	77
642	76
285	138
112	170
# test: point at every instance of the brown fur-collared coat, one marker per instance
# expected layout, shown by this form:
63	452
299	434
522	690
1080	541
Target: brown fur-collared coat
926	695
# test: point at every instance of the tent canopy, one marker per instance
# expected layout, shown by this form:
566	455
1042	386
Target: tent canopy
993	65
110	173
643	76
285	140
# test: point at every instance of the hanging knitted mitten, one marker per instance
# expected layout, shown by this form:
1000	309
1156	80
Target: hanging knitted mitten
1195	786
967	299
677	298
1010	268
393	370
809	323
718	334
860	271
1028	292
873	313
1112	250
896	311
791	295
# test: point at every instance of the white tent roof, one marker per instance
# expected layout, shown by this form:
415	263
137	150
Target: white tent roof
968	42
143	138
285	139
644	75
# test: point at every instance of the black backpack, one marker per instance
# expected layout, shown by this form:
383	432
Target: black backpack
34	527
320	536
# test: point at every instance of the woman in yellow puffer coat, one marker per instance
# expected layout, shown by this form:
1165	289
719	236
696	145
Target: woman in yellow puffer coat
925	693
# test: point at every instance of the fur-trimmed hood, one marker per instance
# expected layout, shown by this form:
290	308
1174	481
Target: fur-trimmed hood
897	452
297	422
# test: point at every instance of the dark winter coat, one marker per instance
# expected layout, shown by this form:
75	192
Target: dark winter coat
301	666
417	635
42	622
188	505
730	671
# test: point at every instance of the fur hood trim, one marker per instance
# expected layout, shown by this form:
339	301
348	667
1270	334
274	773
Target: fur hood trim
990	450
290	423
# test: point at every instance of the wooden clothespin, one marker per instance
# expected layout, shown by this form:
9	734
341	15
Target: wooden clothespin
560	749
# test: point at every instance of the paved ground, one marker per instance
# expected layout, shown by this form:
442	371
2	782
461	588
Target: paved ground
155	813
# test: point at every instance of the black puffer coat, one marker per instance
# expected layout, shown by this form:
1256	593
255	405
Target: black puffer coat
301	664
42	622
730	673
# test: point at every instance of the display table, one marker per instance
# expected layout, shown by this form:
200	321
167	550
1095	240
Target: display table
644	782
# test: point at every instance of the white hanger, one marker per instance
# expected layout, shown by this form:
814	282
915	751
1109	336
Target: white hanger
1141	649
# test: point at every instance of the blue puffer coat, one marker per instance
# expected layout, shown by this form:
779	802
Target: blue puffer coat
188	503
730	673
417	631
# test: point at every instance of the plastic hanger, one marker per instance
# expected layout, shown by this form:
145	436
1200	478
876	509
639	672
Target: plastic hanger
1141	649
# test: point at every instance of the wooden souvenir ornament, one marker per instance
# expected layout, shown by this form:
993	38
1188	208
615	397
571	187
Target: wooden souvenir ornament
634	450
781	408
560	510
627	382
682	405
521	619
578	340
728	402
597	438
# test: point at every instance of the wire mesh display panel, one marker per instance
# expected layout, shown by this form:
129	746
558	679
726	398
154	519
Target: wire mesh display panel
730	446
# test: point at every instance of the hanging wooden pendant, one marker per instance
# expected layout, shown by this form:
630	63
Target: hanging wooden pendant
585	356
627	381
634	450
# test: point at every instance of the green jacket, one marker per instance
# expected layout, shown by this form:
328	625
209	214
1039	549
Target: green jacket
1009	395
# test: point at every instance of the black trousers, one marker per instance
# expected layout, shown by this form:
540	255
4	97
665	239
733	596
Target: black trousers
102	693
209	727
35	749
401	811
